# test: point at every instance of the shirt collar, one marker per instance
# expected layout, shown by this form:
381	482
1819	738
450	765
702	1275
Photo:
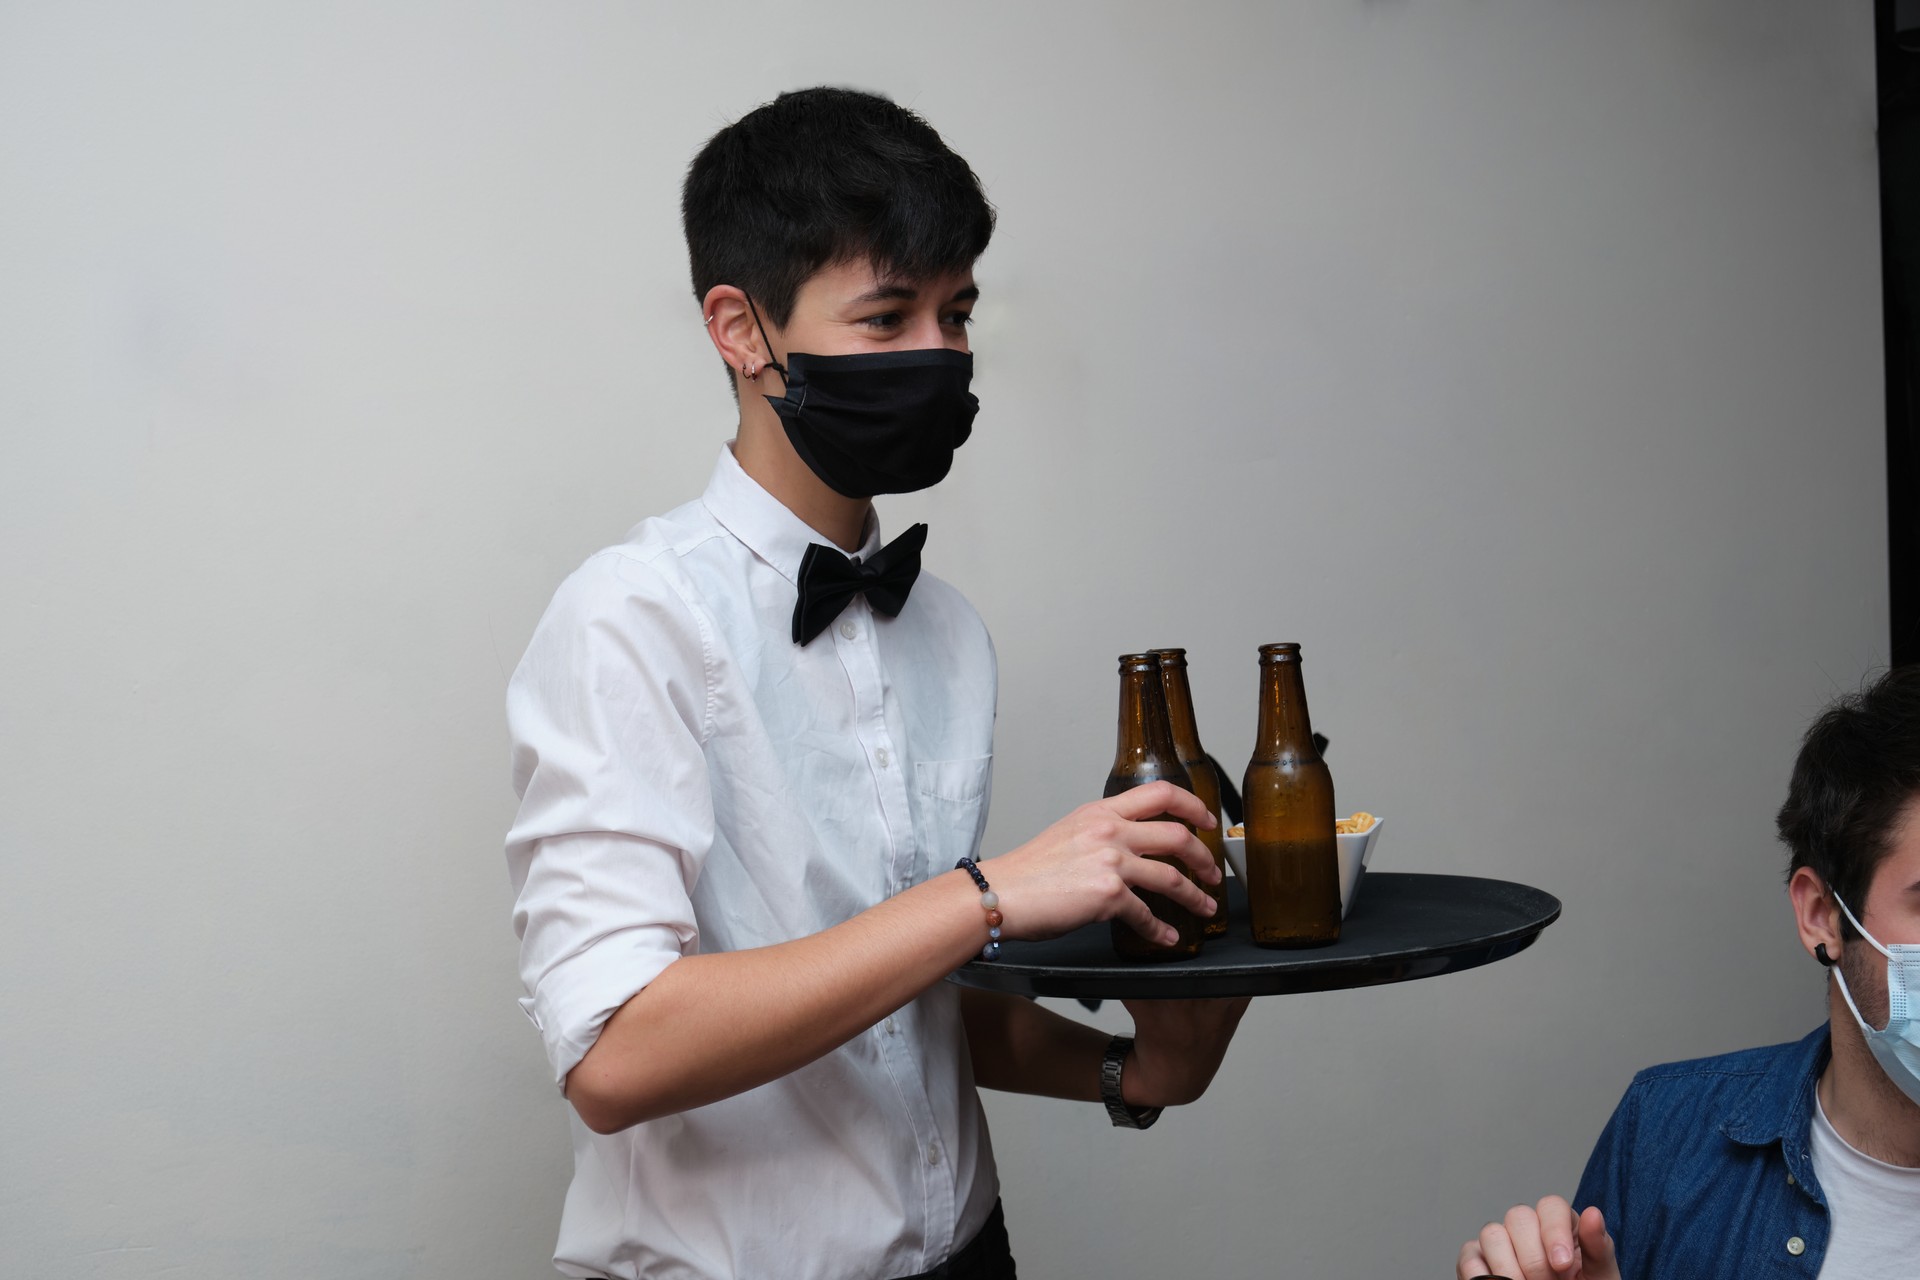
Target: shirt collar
1777	1107
765	525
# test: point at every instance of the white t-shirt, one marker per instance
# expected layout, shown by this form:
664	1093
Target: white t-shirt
692	780
1875	1208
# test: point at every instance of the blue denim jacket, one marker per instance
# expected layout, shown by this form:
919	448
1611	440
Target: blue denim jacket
1706	1168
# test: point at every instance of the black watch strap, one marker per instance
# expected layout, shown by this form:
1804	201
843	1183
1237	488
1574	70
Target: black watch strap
1122	1115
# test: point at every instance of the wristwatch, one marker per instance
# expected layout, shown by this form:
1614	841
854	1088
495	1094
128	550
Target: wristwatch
1122	1115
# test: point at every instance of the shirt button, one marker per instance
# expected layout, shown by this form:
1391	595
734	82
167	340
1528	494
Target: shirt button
1796	1246
848	630
933	1155
1791	1182
882	756
891	1029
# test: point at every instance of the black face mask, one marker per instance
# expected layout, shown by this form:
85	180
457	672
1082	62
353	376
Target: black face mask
878	422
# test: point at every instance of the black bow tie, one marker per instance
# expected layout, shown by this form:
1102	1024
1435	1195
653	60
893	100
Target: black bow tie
828	580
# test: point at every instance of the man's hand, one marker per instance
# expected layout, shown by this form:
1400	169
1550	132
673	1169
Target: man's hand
1086	866
718	1023
1177	1046
1545	1242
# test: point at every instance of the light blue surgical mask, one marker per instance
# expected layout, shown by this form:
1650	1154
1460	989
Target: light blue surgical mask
1896	1047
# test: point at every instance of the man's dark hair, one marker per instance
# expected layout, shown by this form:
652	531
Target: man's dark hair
1858	767
819	177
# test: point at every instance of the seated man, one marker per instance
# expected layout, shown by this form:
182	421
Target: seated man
1800	1159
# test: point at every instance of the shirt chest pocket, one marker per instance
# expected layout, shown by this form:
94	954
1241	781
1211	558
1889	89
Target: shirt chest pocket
950	811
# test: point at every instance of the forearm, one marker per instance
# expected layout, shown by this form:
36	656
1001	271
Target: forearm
1018	1047
711	1026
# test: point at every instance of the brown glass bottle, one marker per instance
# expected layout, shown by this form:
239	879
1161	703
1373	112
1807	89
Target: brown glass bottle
1293	873
1145	753
1204	782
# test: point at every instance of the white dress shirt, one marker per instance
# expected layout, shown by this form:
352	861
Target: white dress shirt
691	780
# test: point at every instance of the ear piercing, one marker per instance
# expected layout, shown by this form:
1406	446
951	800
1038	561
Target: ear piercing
1820	954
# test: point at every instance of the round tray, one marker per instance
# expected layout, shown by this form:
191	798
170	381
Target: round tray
1403	925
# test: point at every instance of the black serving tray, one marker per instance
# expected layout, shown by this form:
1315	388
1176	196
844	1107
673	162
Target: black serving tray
1404	925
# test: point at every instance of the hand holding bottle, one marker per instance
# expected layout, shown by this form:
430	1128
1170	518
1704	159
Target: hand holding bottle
1086	866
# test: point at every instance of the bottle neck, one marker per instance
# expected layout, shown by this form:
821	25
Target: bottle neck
1285	729
1143	732
1186	729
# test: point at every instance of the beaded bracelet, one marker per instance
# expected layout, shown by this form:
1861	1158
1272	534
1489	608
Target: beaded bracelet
991	901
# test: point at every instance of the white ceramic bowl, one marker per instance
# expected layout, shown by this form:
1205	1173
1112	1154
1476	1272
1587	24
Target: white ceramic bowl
1353	850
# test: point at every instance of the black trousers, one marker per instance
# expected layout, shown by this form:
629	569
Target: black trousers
987	1256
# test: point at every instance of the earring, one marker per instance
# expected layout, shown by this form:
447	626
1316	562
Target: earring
1820	954
709	319
750	371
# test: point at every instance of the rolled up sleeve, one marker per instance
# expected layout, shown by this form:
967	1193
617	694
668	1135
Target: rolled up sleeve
608	713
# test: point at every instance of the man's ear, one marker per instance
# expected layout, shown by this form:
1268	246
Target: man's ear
1815	914
731	327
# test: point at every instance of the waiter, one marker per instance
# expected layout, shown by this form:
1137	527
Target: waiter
753	747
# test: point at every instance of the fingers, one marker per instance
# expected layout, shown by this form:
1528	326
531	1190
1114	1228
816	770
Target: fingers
1496	1252
1556	1223
1168	881
1136	915
1523	1230
1472	1264
1171	840
1157	798
1597	1246
1087	865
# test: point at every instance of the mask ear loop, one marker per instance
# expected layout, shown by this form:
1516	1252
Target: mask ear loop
1861	929
1820	953
773	364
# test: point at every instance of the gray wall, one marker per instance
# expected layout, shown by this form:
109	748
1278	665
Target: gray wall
1522	360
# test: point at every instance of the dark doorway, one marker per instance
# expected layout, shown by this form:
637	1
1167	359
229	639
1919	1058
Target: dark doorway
1897	49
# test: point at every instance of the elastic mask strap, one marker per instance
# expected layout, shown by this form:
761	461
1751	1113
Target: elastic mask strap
1862	931
1853	1008
773	364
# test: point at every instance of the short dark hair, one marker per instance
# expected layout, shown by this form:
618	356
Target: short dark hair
1858	767
822	176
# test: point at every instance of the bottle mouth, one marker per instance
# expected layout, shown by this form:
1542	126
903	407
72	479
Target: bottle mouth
1170	657
1139	662
1287	652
